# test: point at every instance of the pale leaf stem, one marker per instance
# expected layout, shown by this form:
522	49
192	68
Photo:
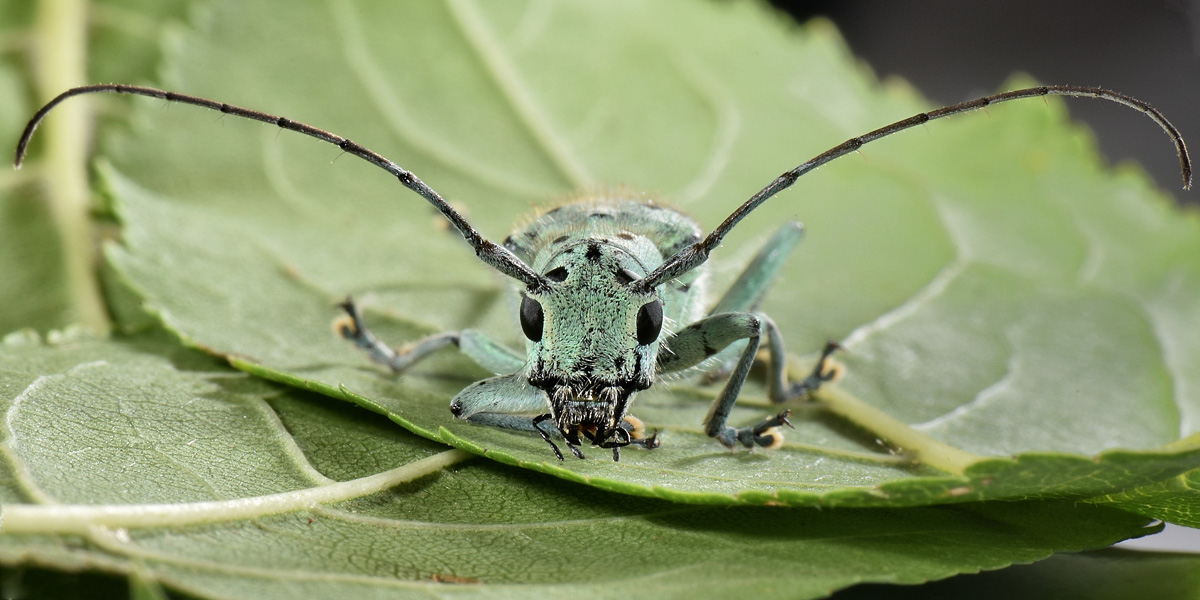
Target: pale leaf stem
922	448
79	519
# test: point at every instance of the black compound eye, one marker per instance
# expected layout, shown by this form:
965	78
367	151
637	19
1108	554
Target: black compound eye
649	322
532	319
557	274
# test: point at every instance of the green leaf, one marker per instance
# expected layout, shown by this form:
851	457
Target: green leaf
186	475
1000	293
1175	500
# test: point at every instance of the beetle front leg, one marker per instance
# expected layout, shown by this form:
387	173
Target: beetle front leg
507	402
478	347
351	327
706	337
764	433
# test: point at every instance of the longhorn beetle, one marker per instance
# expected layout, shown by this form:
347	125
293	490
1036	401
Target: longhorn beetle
597	280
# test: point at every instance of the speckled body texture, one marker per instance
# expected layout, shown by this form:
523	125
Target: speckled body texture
589	359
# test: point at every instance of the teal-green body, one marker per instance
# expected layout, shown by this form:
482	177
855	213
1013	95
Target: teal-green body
594	338
588	358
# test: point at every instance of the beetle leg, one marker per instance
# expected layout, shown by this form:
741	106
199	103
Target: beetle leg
706	337
478	347
779	389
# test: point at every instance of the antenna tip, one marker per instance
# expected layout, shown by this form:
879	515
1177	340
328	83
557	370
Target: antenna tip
19	157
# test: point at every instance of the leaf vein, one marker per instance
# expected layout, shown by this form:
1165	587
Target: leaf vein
729	123
360	62
79	519
504	73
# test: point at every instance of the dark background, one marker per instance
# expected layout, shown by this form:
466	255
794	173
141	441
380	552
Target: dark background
953	50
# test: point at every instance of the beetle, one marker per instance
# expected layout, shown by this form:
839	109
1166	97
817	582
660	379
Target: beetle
601	282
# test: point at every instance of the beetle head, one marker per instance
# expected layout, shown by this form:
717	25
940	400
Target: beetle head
592	339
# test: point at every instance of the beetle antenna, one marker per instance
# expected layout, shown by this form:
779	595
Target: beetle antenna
497	256
695	255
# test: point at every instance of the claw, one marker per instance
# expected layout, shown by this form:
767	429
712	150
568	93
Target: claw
651	442
822	372
350	325
819	371
782	417
766	433
773	422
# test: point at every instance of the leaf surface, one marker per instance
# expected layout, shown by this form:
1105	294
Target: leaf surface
1001	298
1175	500
165	449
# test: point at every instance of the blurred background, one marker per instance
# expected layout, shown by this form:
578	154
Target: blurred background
953	50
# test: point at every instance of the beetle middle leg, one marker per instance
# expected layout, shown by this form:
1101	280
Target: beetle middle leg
747	293
709	336
731	321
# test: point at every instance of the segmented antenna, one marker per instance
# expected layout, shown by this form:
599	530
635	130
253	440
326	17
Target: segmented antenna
493	254
685	260
693	256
